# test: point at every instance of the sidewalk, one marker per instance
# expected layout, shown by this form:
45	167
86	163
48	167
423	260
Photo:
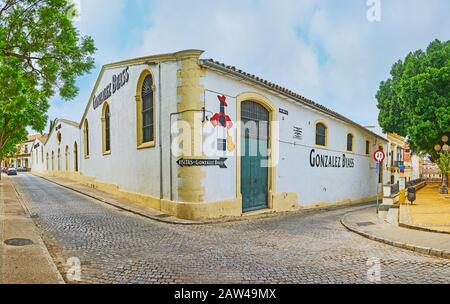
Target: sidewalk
430	212
116	201
366	223
27	264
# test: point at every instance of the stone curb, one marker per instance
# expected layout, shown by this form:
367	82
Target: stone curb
423	250
166	221
198	223
41	242
422	228
120	206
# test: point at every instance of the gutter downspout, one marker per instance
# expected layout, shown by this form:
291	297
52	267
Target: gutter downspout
161	180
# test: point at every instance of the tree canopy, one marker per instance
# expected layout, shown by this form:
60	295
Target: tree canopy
41	54
414	101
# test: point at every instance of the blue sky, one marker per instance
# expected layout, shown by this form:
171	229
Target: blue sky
325	50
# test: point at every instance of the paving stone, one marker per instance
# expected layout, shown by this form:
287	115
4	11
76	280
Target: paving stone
120	247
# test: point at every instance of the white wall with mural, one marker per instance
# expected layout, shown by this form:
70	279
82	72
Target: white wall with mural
299	170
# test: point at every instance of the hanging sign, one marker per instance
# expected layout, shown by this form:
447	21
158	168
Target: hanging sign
202	162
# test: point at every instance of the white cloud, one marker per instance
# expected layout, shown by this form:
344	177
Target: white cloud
282	41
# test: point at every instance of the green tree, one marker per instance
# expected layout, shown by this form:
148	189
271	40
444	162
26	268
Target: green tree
415	101
41	54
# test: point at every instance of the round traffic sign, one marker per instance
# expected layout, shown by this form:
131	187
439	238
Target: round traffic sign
379	156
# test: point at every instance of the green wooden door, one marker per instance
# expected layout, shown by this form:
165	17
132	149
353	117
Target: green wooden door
254	156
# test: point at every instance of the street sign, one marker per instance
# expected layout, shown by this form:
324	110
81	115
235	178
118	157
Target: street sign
379	156
202	162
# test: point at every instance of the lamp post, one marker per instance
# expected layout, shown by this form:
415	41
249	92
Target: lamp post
445	148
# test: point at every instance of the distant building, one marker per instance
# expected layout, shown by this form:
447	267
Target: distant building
430	170
398	157
23	157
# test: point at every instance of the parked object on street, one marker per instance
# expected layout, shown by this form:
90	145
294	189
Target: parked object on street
411	194
12	171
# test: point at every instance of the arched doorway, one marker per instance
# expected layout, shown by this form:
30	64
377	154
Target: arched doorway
75	155
53	160
254	159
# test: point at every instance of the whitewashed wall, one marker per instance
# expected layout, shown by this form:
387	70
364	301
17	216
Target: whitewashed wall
294	172
131	169
39	157
69	135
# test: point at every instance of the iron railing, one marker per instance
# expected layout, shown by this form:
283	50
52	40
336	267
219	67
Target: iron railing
396	187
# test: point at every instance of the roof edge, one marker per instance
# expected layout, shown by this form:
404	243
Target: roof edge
214	65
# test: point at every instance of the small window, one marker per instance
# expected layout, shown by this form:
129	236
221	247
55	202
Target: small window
367	147
147	109
106	125
321	134
350	142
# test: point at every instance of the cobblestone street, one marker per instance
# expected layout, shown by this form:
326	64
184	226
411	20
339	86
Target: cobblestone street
119	247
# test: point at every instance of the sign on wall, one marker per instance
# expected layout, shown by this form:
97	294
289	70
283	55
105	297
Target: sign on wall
298	133
202	162
118	81
317	160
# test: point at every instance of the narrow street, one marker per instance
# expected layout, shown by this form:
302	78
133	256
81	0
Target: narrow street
119	247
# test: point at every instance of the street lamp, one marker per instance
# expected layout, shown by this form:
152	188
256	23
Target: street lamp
445	148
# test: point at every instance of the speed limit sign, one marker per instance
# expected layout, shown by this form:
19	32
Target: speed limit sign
379	156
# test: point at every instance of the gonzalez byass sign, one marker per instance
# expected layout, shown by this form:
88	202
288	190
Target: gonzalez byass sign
118	81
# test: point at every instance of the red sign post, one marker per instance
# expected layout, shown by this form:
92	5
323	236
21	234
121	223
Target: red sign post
379	157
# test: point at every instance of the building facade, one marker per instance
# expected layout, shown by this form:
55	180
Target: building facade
198	139
23	157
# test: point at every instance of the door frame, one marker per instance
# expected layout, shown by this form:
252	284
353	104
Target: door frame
263	101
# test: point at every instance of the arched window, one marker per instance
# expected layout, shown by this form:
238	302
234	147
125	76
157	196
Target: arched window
67	158
106	129
86	138
321	134
145	111
75	157
350	139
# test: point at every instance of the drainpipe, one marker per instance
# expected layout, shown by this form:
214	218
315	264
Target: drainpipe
161	180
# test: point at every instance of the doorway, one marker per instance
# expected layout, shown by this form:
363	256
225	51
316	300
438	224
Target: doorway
254	156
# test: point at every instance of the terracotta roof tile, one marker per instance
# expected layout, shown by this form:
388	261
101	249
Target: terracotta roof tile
299	98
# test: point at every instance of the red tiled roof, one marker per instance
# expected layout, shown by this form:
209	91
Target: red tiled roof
216	65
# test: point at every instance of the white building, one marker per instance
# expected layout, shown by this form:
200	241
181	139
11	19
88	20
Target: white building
291	153
23	157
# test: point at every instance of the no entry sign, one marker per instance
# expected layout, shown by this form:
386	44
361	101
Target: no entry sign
379	156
